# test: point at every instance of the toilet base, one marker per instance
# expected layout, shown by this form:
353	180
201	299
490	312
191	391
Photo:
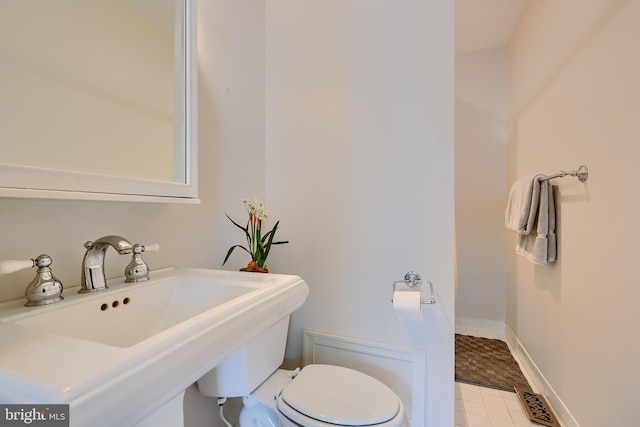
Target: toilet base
260	408
255	413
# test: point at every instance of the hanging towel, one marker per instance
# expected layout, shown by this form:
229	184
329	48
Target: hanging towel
522	207
540	245
552	247
531	213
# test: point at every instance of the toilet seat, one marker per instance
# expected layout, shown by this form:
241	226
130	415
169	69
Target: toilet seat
327	395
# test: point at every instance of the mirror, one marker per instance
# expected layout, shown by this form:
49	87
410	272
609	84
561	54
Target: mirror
98	98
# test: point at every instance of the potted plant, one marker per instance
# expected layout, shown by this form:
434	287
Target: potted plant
258	245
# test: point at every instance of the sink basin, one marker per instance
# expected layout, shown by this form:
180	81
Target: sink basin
134	313
118	355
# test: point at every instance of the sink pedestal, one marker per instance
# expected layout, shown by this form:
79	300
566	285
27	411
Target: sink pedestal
168	415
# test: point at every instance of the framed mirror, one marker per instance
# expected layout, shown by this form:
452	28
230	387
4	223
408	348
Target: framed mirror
98	99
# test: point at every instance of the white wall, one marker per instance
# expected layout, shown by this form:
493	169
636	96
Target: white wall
360	169
574	99
480	175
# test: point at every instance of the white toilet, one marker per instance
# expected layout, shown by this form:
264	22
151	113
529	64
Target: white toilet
316	396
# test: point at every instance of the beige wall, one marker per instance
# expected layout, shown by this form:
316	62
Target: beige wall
480	170
574	99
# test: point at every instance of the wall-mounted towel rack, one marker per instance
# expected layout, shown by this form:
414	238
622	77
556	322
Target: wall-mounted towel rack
582	174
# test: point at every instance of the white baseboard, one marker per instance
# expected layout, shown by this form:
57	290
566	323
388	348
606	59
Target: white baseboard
402	369
540	382
480	327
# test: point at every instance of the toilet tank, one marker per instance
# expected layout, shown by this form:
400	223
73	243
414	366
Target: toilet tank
243	371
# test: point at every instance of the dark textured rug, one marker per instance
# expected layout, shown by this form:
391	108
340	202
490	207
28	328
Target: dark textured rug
487	362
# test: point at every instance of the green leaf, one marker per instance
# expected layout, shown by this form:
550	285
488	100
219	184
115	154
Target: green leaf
245	229
231	250
271	234
261	257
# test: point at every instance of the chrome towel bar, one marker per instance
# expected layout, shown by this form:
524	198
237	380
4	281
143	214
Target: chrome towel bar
582	174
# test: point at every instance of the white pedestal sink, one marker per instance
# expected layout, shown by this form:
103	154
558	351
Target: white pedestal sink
124	354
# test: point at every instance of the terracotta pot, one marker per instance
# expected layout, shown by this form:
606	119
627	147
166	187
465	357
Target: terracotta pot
253	267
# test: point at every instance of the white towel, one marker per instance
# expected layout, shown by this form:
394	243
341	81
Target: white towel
531	206
522	207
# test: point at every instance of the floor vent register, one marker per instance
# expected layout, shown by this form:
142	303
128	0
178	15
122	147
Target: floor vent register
537	408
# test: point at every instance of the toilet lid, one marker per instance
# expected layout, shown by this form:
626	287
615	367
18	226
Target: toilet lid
342	396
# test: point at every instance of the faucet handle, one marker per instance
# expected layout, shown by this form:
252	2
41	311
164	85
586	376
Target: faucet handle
138	270
10	266
44	288
151	248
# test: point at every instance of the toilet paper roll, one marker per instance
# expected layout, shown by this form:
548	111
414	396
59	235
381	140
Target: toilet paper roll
407	305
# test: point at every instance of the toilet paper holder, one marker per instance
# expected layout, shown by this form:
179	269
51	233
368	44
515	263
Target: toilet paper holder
414	282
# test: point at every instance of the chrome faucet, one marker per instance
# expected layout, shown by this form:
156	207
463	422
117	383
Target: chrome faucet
93	278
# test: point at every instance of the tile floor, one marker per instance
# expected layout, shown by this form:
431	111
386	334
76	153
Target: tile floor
485	407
